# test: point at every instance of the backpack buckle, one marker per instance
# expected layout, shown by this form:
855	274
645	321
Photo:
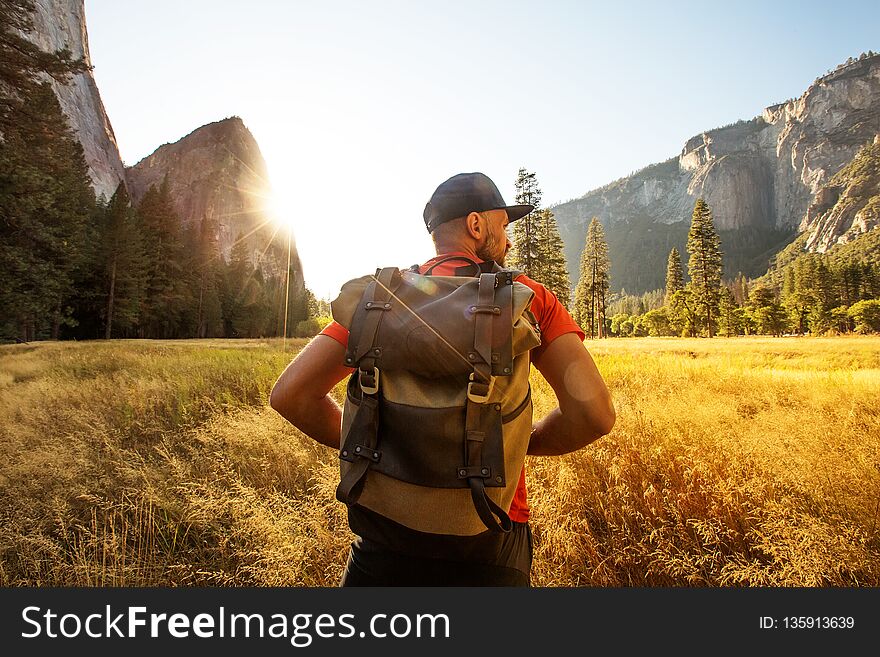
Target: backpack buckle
367	388
476	397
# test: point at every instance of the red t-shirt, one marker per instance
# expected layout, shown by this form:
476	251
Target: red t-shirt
553	320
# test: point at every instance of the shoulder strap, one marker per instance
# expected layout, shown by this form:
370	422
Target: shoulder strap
479	414
364	353
430	269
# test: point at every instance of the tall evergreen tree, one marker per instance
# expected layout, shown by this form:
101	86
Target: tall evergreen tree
730	314
683	312
23	65
674	276
248	301
46	203
166	295
125	266
525	234
704	266
45	195
799	291
207	282
591	292
553	269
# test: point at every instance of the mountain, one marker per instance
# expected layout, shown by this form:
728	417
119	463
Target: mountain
60	24
760	177
217	174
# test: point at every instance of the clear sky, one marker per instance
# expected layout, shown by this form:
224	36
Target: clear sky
362	108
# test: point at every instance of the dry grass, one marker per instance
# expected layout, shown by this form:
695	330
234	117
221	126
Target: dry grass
733	462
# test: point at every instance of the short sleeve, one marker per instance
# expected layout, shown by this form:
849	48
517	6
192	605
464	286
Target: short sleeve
336	331
553	318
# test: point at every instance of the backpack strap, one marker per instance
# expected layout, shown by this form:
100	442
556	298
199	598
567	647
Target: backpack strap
377	298
479	413
375	302
477	268
430	269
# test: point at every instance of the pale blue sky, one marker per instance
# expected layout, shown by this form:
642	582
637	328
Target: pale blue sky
362	108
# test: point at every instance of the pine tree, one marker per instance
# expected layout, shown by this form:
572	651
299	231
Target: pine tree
207	281
46	202
704	266
166	296
553	267
684	315
591	292
730	314
799	294
526	252
125	266
674	276
236	286
45	195
247	301
23	64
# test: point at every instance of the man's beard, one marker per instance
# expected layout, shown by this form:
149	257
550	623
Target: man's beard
492	250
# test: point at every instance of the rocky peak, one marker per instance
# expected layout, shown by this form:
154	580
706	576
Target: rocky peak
217	174
759	176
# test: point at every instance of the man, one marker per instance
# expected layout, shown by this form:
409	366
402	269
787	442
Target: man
466	218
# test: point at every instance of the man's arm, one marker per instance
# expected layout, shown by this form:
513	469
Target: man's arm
301	396
585	411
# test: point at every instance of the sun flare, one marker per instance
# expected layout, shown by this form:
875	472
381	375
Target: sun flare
280	208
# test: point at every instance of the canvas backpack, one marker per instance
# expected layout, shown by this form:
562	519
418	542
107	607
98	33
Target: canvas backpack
438	413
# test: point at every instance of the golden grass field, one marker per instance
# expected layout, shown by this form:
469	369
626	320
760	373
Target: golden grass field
734	462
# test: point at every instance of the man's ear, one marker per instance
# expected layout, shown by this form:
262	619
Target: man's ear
474	224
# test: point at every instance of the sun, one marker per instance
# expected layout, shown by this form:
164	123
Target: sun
280	209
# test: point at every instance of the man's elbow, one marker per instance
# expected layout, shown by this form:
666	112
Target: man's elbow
604	423
274	398
598	420
283	400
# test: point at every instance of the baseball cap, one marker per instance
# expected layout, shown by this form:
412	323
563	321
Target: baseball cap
465	193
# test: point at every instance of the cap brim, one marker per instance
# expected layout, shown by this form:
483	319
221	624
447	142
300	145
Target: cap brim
515	212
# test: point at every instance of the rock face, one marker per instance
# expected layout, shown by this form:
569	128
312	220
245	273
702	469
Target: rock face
217	174
61	24
758	176
849	205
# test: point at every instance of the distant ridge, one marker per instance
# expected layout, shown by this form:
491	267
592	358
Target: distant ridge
759	176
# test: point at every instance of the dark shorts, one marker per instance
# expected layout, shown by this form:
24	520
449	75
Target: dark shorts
371	564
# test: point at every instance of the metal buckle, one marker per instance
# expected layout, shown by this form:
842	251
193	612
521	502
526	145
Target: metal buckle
373	389
479	399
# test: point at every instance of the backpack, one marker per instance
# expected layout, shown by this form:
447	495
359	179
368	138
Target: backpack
437	414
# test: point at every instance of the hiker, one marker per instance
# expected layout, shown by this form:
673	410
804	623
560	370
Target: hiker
400	540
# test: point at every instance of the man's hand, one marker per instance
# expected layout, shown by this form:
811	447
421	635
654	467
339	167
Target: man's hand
300	394
585	411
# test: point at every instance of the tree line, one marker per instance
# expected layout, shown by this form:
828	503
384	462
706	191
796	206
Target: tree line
803	293
811	293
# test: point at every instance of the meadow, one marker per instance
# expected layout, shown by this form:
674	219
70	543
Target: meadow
734	462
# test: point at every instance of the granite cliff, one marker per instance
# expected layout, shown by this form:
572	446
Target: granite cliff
217	174
848	206
60	24
759	176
